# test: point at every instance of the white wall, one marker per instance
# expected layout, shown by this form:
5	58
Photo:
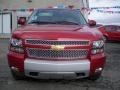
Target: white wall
17	4
24	4
0	23
6	23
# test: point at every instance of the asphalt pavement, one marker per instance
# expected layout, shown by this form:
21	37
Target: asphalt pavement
110	79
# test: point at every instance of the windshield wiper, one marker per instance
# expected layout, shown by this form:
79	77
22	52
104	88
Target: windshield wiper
55	22
41	22
67	22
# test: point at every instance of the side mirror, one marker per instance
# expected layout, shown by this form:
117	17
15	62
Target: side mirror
92	23
21	20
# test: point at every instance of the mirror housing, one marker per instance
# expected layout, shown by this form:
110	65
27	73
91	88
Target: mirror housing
92	23
21	21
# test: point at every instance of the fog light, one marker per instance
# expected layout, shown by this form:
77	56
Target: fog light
98	70
14	69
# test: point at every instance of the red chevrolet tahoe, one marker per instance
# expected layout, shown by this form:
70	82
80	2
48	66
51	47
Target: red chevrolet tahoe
56	44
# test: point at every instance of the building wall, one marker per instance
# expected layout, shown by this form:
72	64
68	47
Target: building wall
24	4
16	4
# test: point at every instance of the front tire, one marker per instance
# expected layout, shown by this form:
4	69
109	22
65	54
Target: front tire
17	76
95	77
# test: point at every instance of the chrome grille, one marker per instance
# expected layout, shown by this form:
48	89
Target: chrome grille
62	54
56	42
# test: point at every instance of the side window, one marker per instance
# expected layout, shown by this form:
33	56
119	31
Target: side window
111	28
34	18
118	28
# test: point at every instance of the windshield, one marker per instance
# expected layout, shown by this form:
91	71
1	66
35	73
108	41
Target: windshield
63	17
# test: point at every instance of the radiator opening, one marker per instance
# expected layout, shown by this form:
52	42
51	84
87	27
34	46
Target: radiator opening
80	74
33	73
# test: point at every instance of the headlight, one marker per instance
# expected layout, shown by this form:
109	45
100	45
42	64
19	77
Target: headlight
16	42
98	47
98	44
16	45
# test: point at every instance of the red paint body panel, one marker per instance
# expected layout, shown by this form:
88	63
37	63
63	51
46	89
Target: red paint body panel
56	32
97	61
16	60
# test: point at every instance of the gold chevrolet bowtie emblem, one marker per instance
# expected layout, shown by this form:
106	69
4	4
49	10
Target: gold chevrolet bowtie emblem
57	47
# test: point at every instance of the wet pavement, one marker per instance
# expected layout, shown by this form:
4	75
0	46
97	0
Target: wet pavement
110	79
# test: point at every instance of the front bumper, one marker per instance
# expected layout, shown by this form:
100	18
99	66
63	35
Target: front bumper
56	69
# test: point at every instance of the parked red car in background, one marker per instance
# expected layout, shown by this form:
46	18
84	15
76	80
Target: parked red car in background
110	32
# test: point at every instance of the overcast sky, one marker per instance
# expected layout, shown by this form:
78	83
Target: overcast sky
105	18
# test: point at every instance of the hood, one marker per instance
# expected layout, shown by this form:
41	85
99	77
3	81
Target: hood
54	32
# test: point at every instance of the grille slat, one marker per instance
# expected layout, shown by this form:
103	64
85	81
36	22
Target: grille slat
56	42
52	54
